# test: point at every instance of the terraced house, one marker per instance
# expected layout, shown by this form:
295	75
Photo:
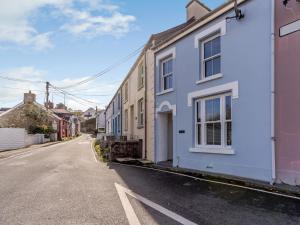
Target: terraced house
214	96
137	91
217	93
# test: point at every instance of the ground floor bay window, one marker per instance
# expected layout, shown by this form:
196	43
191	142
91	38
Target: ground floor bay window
213	124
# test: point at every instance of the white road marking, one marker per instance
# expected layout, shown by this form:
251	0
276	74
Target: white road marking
130	214
212	181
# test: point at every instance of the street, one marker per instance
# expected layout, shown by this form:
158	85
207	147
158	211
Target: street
64	184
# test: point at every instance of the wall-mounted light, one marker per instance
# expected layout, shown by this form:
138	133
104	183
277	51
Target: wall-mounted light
238	13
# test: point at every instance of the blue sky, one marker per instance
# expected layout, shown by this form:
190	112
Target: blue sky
65	41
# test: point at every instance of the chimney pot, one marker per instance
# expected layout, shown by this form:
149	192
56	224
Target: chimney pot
196	9
29	98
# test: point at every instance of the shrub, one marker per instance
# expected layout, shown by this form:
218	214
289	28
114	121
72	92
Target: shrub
102	153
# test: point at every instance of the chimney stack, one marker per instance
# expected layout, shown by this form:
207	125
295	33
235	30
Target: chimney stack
29	98
195	9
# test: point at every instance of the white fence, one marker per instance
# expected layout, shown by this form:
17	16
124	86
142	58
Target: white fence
14	138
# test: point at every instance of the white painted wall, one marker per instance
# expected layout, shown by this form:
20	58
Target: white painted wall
15	138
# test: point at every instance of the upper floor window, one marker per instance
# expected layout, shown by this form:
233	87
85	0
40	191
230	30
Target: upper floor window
141	75
126	120
141	112
167	74
119	101
126	92
213	122
211	56
113	106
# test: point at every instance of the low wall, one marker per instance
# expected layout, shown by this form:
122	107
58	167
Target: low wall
14	138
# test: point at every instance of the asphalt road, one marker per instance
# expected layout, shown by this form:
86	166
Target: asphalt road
63	184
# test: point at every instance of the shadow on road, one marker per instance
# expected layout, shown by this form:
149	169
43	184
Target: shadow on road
209	203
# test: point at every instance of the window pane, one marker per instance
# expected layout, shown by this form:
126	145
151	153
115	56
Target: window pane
212	109
228	133
164	68
168	82
213	133
217	134
216	65
209	134
216	46
170	66
198	112
199	134
207	49
216	109
228	107
208	68
209	110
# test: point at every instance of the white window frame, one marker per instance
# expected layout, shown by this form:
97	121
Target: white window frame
162	76
141	75
119	101
203	147
141	112
126	88
203	60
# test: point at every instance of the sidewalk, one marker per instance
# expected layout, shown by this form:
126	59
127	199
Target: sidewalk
8	153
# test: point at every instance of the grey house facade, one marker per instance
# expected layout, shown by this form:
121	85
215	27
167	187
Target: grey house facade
214	94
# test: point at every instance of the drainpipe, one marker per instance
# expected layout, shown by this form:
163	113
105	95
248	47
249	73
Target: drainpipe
146	83
273	139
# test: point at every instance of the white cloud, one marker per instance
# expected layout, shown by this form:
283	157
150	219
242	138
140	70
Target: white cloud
87	18
83	23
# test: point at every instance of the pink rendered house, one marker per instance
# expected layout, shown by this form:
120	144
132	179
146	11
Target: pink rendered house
287	91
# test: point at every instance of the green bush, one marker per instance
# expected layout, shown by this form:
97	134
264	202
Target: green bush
41	129
102	153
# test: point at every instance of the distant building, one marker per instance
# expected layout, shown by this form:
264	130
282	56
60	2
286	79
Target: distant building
100	121
71	124
89	114
29	114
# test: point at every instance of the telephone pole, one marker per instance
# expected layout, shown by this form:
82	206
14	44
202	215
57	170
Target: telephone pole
47	94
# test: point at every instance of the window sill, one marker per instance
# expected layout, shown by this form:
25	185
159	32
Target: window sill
214	77
213	150
141	87
125	101
165	92
140	126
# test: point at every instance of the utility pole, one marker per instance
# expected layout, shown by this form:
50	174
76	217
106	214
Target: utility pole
64	99
47	94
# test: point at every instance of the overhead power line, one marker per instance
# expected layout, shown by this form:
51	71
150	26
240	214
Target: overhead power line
21	80
74	96
108	69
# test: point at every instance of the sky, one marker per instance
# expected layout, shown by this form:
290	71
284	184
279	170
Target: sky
67	41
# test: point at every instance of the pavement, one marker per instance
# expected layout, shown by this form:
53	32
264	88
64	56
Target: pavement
65	184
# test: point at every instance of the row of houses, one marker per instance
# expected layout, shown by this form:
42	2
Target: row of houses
218	93
32	116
